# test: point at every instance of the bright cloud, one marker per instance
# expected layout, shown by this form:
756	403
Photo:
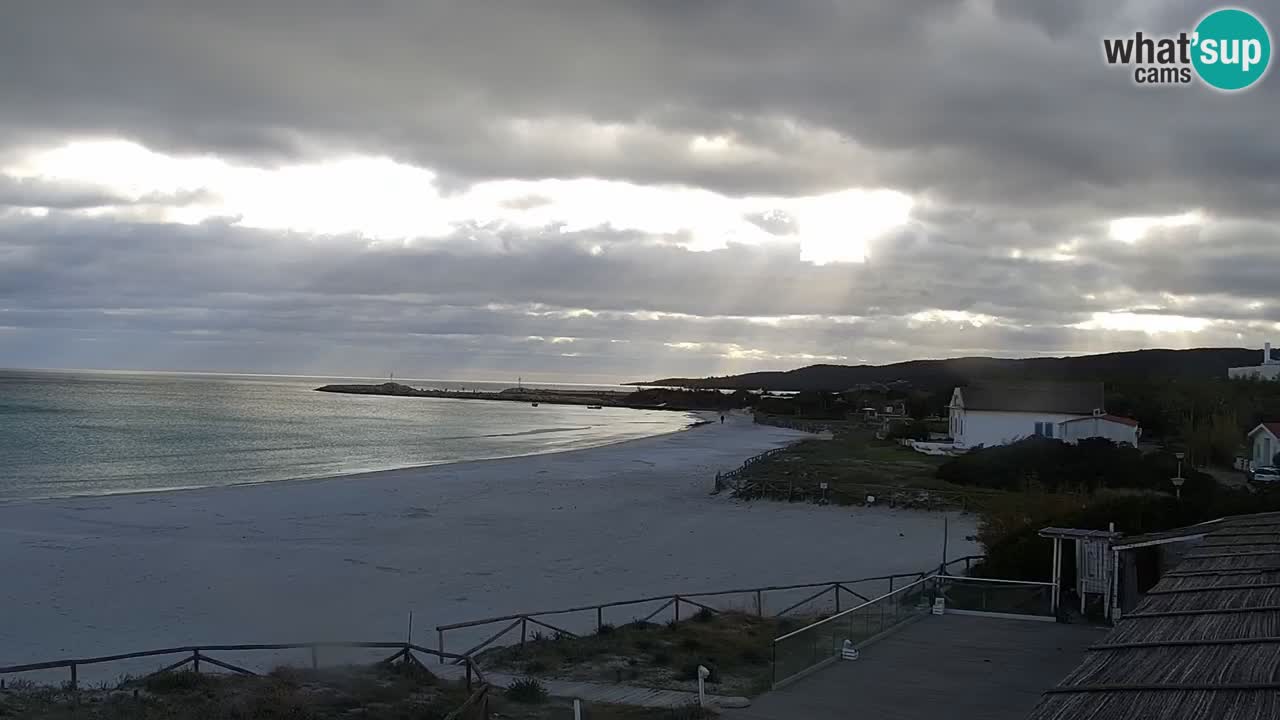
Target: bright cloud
381	199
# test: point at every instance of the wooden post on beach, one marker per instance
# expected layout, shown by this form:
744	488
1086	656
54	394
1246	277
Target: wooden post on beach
524	625
676	601
836	587
195	660
599	618
74	678
759	604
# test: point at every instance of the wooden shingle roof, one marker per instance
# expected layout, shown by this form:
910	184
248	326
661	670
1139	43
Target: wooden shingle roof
1204	643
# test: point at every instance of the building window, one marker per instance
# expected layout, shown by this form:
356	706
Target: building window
1044	429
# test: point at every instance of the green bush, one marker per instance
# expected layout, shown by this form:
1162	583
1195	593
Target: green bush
1055	466
605	629
175	681
527	690
704	616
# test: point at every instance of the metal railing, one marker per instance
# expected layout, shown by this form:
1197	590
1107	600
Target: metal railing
803	651
197	654
1004	597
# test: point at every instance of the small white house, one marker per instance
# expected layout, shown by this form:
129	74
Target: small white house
1264	443
1268	370
999	413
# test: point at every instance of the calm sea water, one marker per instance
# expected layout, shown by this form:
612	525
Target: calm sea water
92	433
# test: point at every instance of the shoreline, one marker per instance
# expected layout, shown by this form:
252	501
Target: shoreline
694	423
297	561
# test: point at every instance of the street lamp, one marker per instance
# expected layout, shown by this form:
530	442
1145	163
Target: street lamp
1178	480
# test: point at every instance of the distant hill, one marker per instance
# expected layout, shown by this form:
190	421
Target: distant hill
1139	364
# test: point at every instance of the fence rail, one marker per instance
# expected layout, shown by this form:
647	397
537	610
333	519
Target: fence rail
196	654
834	593
731	479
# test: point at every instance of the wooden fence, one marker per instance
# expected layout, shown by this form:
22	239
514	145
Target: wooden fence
733	478
195	655
835	591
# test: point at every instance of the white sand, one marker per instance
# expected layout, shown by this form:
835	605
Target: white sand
348	558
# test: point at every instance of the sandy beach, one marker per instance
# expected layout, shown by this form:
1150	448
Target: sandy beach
350	557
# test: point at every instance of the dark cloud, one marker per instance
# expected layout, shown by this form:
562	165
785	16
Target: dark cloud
934	95
1001	120
344	301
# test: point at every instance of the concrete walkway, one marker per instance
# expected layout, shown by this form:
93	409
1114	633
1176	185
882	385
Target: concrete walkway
597	692
955	667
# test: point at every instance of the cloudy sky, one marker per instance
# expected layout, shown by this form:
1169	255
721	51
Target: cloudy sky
618	189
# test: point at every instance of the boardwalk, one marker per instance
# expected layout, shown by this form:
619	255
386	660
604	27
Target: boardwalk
954	667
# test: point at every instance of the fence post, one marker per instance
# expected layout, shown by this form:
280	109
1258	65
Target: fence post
75	681
524	626
440	633
759	605
195	660
836	587
468	674
676	599
599	618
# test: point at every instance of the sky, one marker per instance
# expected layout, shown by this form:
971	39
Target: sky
601	190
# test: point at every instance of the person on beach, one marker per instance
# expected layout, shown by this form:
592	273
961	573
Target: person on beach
721	418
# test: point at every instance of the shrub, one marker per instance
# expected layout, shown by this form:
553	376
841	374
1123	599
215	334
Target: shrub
527	690
535	667
690	643
1055	466
605	629
752	656
176	681
704	616
661	658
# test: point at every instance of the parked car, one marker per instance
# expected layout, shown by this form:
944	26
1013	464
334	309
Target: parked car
1265	475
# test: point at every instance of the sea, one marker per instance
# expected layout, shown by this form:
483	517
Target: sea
71	433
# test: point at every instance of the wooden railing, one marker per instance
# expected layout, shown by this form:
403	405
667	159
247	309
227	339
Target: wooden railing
733	478
197	654
835	591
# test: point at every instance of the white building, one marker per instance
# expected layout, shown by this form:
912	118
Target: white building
999	413
1264	443
1268	370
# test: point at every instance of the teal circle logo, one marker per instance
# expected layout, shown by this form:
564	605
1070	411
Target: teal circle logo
1232	49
